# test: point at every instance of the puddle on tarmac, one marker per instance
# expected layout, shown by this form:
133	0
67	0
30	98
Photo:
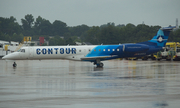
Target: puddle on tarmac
64	83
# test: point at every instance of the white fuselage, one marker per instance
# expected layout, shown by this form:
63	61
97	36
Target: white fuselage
51	52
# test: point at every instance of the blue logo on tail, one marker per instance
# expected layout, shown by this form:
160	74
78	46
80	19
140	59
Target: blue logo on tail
160	39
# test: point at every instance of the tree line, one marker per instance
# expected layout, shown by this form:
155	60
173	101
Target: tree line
11	30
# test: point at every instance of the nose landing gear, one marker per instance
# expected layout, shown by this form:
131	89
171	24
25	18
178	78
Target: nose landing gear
14	64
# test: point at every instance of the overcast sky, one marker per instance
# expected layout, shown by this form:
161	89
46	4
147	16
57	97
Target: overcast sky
95	12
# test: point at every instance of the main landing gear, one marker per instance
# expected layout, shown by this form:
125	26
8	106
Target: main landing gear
98	63
14	64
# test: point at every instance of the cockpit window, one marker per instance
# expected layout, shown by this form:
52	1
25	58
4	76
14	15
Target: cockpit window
19	50
23	50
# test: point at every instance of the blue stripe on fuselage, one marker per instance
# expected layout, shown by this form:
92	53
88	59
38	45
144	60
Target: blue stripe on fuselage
105	50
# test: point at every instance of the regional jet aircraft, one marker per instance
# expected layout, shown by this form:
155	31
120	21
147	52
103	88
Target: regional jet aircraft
93	53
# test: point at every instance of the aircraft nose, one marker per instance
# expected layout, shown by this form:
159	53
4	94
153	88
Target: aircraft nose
6	57
10	57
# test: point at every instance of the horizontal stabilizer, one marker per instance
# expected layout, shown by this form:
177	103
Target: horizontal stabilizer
168	28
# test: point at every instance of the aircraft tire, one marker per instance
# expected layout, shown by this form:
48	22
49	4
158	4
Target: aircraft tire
158	59
153	58
101	64
175	59
135	59
168	59
145	58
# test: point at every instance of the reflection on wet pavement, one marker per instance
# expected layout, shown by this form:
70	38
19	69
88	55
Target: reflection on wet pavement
64	83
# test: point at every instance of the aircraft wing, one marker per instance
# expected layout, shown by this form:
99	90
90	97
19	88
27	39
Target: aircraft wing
95	57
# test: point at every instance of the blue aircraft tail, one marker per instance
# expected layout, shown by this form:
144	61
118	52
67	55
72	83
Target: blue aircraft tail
160	38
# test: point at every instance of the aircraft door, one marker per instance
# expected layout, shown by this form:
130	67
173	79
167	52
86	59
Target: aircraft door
31	52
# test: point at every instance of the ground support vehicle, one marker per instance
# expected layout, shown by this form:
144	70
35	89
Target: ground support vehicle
168	52
177	53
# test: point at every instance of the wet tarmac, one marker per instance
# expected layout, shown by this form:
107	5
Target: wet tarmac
75	84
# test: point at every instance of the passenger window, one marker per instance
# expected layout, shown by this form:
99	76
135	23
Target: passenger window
113	49
108	49
104	50
117	49
79	50
99	49
94	49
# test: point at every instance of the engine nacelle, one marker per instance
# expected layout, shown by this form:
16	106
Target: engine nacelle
135	48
